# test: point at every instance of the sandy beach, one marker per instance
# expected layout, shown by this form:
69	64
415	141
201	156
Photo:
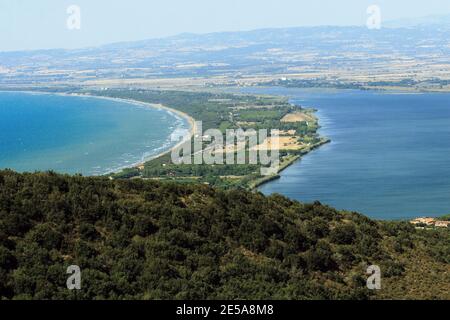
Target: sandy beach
140	164
191	121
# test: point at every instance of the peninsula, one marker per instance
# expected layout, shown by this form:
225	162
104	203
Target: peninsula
296	126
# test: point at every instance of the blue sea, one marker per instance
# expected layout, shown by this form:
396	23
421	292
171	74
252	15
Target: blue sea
389	157
87	135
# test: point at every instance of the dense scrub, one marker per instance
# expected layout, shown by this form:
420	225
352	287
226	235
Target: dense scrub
136	239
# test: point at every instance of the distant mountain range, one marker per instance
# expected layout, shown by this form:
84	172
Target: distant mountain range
413	49
434	20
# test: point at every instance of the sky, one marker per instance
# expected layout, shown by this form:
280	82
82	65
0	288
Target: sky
43	24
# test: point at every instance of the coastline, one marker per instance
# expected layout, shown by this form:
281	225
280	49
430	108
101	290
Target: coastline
256	183
189	119
253	184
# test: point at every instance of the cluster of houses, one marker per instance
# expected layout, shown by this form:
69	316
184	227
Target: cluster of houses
430	222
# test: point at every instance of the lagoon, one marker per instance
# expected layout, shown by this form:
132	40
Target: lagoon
389	157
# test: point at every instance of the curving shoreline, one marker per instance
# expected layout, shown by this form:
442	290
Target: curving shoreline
192	129
247	179
189	119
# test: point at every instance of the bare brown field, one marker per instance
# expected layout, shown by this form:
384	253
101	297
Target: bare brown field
297	117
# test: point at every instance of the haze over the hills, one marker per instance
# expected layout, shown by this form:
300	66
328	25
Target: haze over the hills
432	20
27	25
349	54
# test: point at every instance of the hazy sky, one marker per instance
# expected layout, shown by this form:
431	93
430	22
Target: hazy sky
41	24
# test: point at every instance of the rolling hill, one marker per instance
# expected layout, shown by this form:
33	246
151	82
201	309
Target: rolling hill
136	239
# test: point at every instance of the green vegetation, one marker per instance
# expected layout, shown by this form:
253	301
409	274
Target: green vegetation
212	109
428	85
223	111
314	83
136	239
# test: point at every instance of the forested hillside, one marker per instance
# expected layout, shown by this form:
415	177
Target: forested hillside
136	239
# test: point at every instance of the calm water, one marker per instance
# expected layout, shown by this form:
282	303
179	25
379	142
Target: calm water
79	134
389	157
